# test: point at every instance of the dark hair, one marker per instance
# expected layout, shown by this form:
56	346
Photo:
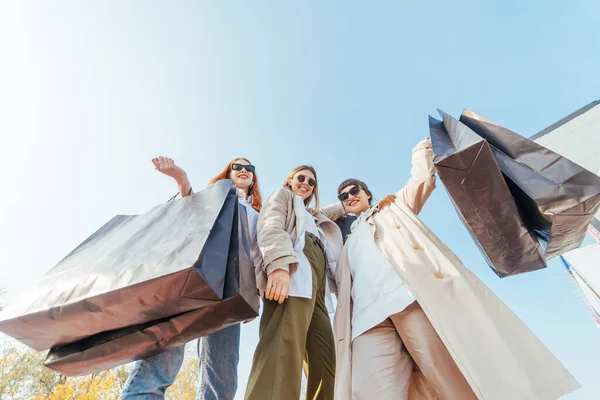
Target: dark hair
356	182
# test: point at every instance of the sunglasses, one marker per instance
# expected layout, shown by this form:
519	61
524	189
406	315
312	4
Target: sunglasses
346	195
311	182
238	167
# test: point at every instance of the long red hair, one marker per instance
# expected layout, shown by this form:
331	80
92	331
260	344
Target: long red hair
253	190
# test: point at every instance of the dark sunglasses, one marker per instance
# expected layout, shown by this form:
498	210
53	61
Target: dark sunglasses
346	195
238	167
311	182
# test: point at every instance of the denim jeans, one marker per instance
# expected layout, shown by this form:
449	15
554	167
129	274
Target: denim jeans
218	356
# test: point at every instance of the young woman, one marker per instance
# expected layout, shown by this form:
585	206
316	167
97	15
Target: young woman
408	308
300	249
218	352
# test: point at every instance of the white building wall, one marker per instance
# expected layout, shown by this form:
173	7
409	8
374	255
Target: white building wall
578	139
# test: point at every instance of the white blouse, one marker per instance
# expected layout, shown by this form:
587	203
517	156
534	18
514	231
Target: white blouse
377	290
252	223
301	282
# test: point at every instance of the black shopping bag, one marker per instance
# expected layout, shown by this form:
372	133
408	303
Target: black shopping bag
557	198
466	166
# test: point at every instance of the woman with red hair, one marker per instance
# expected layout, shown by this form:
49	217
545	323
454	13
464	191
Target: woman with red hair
219	351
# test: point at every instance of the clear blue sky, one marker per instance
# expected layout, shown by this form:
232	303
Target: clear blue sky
91	91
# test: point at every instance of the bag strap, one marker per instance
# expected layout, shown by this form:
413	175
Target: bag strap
177	194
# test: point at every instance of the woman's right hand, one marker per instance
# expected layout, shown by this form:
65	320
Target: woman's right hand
167	166
278	284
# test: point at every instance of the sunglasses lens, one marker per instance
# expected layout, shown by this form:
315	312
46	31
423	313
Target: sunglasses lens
311	182
346	195
239	167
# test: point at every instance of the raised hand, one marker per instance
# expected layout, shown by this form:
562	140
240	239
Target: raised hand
168	167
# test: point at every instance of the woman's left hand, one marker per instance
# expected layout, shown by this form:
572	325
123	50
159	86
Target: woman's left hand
278	285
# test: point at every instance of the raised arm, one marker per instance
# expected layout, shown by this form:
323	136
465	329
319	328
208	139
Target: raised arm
334	211
167	166
422	180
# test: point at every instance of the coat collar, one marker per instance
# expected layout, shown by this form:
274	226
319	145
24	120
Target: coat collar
242	196
364	217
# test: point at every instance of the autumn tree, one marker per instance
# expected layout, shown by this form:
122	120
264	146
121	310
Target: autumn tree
98	386
23	376
186	384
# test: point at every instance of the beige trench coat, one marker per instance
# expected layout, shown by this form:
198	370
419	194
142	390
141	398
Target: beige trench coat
496	352
276	235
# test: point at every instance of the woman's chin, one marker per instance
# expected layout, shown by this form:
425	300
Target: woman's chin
356	210
244	184
302	194
352	210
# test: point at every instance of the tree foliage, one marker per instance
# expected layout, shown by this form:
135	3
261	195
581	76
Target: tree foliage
186	384
23	376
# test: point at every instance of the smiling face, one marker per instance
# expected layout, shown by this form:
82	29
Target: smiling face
241	179
358	200
302	189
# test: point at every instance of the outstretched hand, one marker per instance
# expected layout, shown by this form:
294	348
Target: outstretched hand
167	166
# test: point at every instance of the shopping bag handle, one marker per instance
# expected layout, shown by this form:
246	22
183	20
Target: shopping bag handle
177	194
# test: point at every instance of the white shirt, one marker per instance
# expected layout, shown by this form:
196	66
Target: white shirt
377	290
311	225
252	223
301	282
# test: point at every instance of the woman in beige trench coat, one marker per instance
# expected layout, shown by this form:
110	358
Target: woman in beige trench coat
495	352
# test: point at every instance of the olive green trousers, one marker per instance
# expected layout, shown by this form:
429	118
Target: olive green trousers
298	328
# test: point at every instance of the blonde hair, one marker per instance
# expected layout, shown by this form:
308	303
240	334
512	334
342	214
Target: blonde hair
315	192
